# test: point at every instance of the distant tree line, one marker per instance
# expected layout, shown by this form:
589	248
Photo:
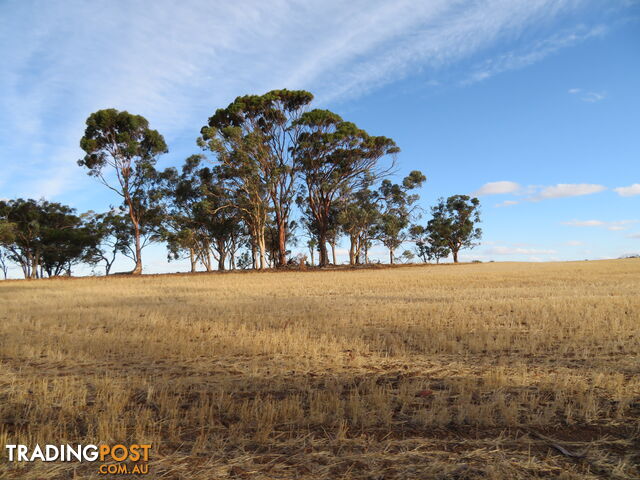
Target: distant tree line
273	158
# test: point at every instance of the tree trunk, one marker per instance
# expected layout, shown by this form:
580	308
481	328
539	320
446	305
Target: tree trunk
321	215
232	253
333	252
222	254
263	250
311	254
192	259
254	256
282	241
353	240
455	256
391	256
34	267
137	270
323	261
25	269
358	250
205	258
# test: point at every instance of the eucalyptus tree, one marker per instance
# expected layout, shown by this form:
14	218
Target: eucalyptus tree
198	217
7	239
255	138
117	234
121	152
224	227
66	240
43	236
241	153
114	236
397	207
181	242
454	223
428	248
335	157
311	229
357	217
19	233
182	229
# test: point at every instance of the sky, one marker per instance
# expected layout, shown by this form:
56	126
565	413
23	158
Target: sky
531	105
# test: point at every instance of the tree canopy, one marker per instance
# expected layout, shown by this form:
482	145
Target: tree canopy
273	170
44	237
336	157
120	144
454	223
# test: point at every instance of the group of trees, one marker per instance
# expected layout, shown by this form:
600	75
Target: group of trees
272	157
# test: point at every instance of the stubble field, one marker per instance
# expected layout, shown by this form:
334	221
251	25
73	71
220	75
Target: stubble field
499	370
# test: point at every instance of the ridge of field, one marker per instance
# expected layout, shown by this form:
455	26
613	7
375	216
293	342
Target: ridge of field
500	370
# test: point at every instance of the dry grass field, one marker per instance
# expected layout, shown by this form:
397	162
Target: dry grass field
502	371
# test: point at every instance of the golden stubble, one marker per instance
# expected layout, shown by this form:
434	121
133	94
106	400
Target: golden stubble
412	372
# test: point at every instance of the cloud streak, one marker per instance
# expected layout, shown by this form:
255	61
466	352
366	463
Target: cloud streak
613	226
176	63
536	193
502	250
497	188
563	190
629	191
588	96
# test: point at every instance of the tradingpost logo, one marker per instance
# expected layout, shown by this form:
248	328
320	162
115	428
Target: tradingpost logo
114	459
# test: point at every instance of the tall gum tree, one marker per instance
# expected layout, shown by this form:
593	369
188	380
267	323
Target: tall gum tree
357	217
121	145
255	138
454	223
397	210
336	157
44	237
194	218
239	153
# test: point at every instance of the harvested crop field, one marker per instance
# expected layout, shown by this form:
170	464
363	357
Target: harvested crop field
500	370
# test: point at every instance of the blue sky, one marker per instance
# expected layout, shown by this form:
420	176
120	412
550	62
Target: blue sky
531	104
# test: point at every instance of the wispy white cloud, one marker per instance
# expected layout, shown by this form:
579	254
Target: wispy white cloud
585	223
634	235
496	188
176	62
592	97
507	203
563	190
574	243
504	250
629	191
588	96
533	53
535	193
613	226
